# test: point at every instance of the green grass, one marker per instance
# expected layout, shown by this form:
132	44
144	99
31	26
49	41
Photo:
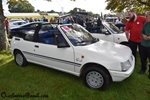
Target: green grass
62	86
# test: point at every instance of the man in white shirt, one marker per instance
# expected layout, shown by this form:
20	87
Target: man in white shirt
118	21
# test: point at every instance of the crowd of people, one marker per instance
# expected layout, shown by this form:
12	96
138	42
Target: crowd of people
90	23
43	19
31	19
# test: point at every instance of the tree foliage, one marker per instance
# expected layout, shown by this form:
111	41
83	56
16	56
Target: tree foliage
20	6
140	6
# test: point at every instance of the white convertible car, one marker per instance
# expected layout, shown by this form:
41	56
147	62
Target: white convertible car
72	49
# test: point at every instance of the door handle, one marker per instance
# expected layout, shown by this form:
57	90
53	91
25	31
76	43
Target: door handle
17	39
36	46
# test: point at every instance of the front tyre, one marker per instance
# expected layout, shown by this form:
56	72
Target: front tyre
96	78
20	59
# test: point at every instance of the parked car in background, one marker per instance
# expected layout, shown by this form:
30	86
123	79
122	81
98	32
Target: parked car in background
109	32
16	23
72	49
12	20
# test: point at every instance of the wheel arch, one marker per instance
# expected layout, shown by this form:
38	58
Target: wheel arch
125	43
93	64
15	50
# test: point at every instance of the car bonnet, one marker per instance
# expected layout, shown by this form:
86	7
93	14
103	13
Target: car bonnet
110	50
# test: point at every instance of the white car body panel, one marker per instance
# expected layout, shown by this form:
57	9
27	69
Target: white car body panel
94	54
119	38
49	56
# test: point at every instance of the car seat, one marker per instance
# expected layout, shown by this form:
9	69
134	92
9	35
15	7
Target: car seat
47	37
50	40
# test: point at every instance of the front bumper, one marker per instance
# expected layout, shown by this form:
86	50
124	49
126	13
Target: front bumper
120	76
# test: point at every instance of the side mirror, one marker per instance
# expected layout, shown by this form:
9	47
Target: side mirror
62	45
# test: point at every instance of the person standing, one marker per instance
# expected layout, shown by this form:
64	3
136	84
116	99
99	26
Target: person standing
133	31
81	21
99	25
7	25
145	44
99	22
88	24
118	21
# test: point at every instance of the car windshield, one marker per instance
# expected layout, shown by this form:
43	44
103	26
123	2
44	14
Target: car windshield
112	27
78	35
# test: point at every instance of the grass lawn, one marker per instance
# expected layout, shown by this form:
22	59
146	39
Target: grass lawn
55	85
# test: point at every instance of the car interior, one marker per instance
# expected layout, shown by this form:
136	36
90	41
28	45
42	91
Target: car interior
47	37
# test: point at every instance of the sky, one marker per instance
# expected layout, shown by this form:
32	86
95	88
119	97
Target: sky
95	6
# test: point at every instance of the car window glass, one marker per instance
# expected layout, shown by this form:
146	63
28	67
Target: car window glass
77	35
29	31
112	27
47	34
19	23
46	27
60	38
31	26
29	37
102	29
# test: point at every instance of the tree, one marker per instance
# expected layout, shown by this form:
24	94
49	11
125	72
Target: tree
4	44
52	11
74	11
20	6
140	6
3	35
38	11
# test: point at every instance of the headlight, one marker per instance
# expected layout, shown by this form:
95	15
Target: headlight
125	65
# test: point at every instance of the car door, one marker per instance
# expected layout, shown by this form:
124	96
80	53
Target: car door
104	34
48	54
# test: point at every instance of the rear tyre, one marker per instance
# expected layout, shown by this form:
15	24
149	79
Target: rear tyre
96	78
20	59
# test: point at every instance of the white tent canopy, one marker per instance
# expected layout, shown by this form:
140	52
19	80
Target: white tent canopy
21	14
53	14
